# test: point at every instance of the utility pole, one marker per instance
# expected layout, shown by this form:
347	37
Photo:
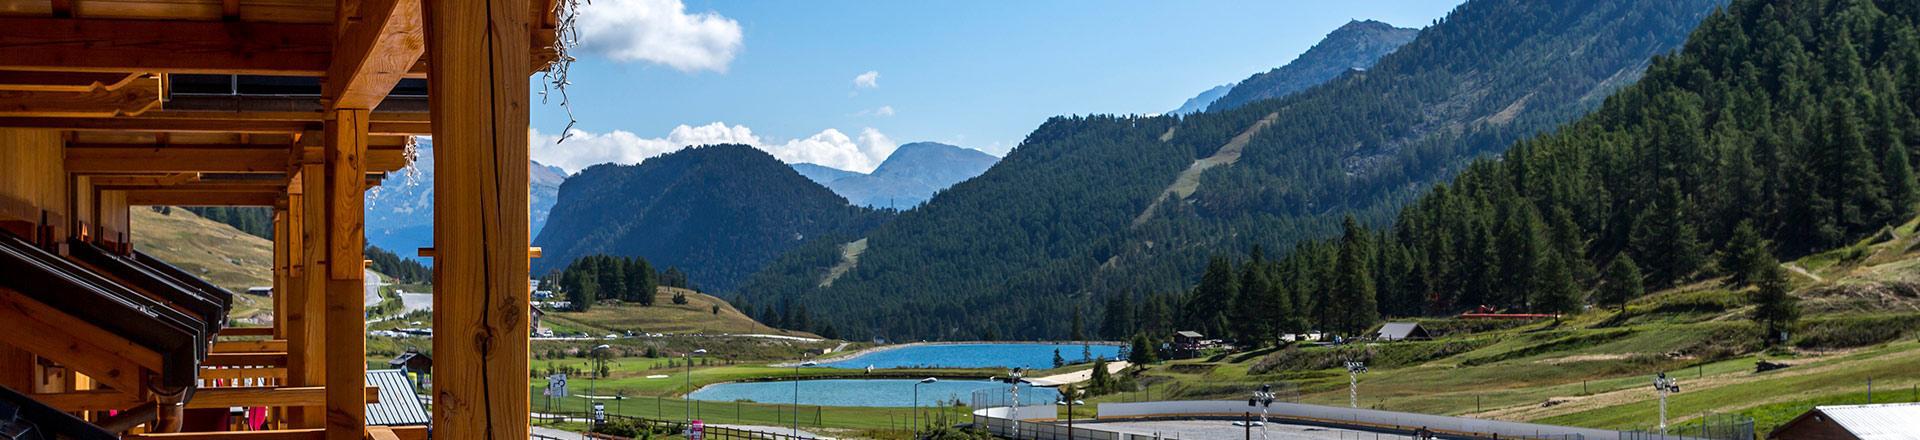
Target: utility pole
1262	398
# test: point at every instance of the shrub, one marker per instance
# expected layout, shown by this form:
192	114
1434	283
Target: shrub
1854	331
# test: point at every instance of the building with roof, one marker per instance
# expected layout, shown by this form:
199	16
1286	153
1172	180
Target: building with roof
399	405
1402	331
1891	421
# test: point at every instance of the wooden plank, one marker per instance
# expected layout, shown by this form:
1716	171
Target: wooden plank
145	181
257	345
380	433
73	342
94	400
183	197
27	81
375	50
427	252
276	374
133	99
346	307
480	95
246	359
282	273
108	45
408	432
158	124
284	434
246	331
223	397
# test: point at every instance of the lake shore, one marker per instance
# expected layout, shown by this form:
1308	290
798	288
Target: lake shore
884	348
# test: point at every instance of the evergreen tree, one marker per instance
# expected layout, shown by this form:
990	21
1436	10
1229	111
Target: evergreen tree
1623	282
1558	293
1746	255
1057	360
1251	321
1079	332
1352	308
1118	320
1775	308
1206	306
1142	351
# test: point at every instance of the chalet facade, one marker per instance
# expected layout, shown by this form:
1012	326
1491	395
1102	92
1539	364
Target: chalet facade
295	105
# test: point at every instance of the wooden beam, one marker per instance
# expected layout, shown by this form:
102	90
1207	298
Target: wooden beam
346	285
93	400
427	252
145	181
158	124
73	342
314	117
257	345
478	55
245	331
284	434
166	46
204	158
276	374
135	98
27	81
246	359
187	197
374	52
223	397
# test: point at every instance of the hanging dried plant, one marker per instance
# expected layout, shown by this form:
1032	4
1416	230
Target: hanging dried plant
554	78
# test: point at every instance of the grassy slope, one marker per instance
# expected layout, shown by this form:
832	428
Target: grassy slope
216	252
696	316
1594	369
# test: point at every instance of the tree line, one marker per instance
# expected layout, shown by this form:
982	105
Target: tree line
592	278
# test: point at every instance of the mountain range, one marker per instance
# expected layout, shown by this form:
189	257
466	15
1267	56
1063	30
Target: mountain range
1353	46
1089	208
716	212
400	211
909	176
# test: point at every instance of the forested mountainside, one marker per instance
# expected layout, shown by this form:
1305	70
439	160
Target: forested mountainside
716	212
1199	103
1089	208
1354	46
1782	129
909	176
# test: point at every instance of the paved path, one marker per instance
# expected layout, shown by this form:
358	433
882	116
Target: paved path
1075	377
373	287
770	429
546	432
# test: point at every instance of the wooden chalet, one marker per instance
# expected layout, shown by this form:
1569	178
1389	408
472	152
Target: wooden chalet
297	105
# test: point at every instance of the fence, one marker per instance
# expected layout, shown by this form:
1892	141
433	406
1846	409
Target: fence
709	432
1712	426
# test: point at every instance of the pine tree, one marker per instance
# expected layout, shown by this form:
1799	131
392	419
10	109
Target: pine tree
1775	308
1352	308
1558	293
1079	326
1252	325
1142	351
1118	320
1746	255
1206	305
1623	282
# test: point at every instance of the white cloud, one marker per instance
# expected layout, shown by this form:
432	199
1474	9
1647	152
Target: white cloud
829	147
659	31
883	111
868	80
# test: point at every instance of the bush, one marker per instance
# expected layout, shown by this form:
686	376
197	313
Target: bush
1854	331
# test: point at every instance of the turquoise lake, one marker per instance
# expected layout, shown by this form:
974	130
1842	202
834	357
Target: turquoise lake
864	392
1034	356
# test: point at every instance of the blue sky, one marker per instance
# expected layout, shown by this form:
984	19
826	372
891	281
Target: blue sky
786	75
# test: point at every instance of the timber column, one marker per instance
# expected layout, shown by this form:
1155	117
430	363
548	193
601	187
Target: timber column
346	283
478	61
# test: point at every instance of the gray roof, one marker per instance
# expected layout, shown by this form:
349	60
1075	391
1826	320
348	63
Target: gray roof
1398	330
1873	422
1188	333
398	405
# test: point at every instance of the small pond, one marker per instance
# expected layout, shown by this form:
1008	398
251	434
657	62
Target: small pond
1027	355
863	392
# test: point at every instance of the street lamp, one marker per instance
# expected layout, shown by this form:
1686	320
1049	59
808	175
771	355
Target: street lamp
1354	368
688	404
1664	385
598	361
1013	378
1262	398
916	404
796	396
1069	401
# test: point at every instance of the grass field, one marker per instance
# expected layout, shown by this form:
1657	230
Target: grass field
216	252
698	315
1860	323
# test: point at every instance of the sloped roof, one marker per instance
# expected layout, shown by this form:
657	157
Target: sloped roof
1892	421
1188	333
1400	330
398	405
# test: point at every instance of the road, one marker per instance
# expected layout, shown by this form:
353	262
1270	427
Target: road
410	302
373	287
1075	377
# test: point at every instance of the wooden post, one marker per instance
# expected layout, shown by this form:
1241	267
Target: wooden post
306	305
346	330
478	93
281	272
